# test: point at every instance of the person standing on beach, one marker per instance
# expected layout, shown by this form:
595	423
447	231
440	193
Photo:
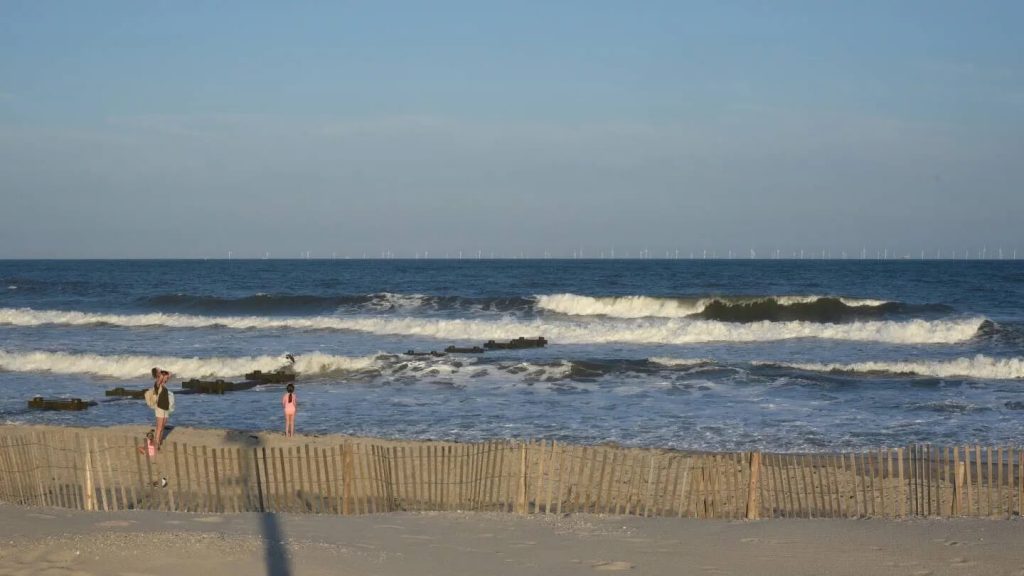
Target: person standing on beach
161	400
290	402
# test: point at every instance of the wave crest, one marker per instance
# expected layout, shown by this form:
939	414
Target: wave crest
646	331
731	308
979	366
132	367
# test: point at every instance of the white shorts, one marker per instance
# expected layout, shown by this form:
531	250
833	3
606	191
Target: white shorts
161	413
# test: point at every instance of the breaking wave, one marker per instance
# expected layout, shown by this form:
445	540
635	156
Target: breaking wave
644	331
283	304
131	367
733	308
979	366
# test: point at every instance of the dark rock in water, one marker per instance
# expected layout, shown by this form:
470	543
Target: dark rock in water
431	353
72	404
1014	405
457	350
275	377
216	386
137	394
518	343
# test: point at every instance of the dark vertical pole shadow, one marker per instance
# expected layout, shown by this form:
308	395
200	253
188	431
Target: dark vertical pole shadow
275	553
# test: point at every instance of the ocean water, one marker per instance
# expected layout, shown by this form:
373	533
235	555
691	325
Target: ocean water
806	355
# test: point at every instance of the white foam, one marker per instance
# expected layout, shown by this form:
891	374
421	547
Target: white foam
541	372
620	306
663	307
644	331
979	366
679	362
129	367
391	301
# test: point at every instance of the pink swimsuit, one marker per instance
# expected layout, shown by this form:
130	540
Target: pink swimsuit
289	407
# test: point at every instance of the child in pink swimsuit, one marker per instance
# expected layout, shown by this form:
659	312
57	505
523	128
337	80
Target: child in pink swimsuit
150	448
289	401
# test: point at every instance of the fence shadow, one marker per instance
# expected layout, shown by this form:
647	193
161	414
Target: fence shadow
274	550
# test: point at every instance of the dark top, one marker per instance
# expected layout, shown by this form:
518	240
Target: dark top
163	401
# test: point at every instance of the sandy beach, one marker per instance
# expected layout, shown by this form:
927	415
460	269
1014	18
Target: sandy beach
54	541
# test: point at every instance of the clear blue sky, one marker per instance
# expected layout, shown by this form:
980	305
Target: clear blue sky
187	129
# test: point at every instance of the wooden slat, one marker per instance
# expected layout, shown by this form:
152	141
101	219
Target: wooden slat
349	501
774	478
98	476
956	491
630	470
271	500
1009	482
566	481
551	477
943	480
335	484
675	473
116	483
259	470
792	510
684	484
6	473
865	489
1020	481
998	507
369	481
494	473
979	487
572	479
37	451
285	478
216	477
989	504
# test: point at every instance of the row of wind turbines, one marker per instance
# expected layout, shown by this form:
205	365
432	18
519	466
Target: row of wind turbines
982	253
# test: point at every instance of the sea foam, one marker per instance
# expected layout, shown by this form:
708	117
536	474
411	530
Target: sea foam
979	366
642	331
130	367
668	307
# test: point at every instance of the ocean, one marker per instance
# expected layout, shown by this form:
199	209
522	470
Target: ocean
790	355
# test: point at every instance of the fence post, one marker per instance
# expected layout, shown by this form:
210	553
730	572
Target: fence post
90	492
958	488
753	505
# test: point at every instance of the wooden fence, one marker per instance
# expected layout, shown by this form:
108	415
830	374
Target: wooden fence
76	468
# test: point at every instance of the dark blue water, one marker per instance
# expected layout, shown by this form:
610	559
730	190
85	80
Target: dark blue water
679	353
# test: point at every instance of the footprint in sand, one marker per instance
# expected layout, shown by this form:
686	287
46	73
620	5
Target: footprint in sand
37	515
390	526
611	566
116	523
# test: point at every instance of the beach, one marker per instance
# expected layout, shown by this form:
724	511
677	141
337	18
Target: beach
55	541
240	534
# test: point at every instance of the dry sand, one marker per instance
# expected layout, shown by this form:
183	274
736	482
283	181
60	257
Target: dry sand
56	541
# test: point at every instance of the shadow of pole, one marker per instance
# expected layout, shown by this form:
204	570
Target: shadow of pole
275	552
278	563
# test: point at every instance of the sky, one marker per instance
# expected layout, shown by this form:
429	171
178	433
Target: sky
191	129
